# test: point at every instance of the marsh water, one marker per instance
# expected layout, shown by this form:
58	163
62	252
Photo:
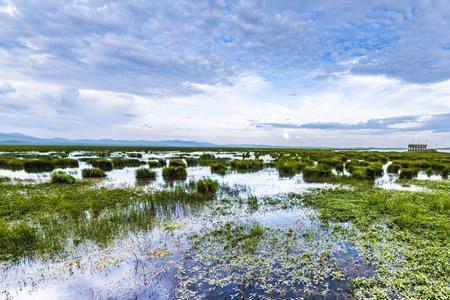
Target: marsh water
162	263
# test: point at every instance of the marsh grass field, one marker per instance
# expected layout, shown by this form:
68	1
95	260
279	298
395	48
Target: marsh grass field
184	223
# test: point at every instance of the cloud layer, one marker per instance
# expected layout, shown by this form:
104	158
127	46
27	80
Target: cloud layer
202	69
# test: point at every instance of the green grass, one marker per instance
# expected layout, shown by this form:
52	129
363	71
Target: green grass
408	173
157	163
319	173
417	263
174	173
93	173
62	178
39	165
207	187
177	163
144	173
218	168
101	163
120	163
45	219
247	164
289	167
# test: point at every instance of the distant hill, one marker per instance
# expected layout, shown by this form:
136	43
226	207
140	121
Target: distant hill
22	139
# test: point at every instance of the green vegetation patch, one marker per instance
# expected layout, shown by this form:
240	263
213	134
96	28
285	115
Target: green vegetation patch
174	173
405	235
144	173
62	178
93	173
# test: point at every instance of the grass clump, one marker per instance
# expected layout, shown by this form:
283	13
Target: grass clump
289	167
218	168
157	163
93	173
174	173
247	164
145	174
207	187
101	163
177	163
320	173
11	164
39	165
62	178
406	173
394	168
120	163
66	163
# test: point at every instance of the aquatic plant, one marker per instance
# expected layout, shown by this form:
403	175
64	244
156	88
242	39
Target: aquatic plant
62	178
319	173
39	165
11	164
93	173
247	164
207	156
289	167
408	173
101	163
177	163
120	163
157	163
144	173
44	219
174	173
394	168
66	163
207	187
135	155
218	168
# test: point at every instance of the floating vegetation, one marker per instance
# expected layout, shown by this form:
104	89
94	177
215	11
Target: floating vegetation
174	173
93	173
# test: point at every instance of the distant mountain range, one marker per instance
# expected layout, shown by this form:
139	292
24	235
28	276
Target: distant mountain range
22	139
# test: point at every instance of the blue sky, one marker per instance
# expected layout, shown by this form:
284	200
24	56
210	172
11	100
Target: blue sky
321	73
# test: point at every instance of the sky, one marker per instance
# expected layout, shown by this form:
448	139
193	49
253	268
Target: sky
296	73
